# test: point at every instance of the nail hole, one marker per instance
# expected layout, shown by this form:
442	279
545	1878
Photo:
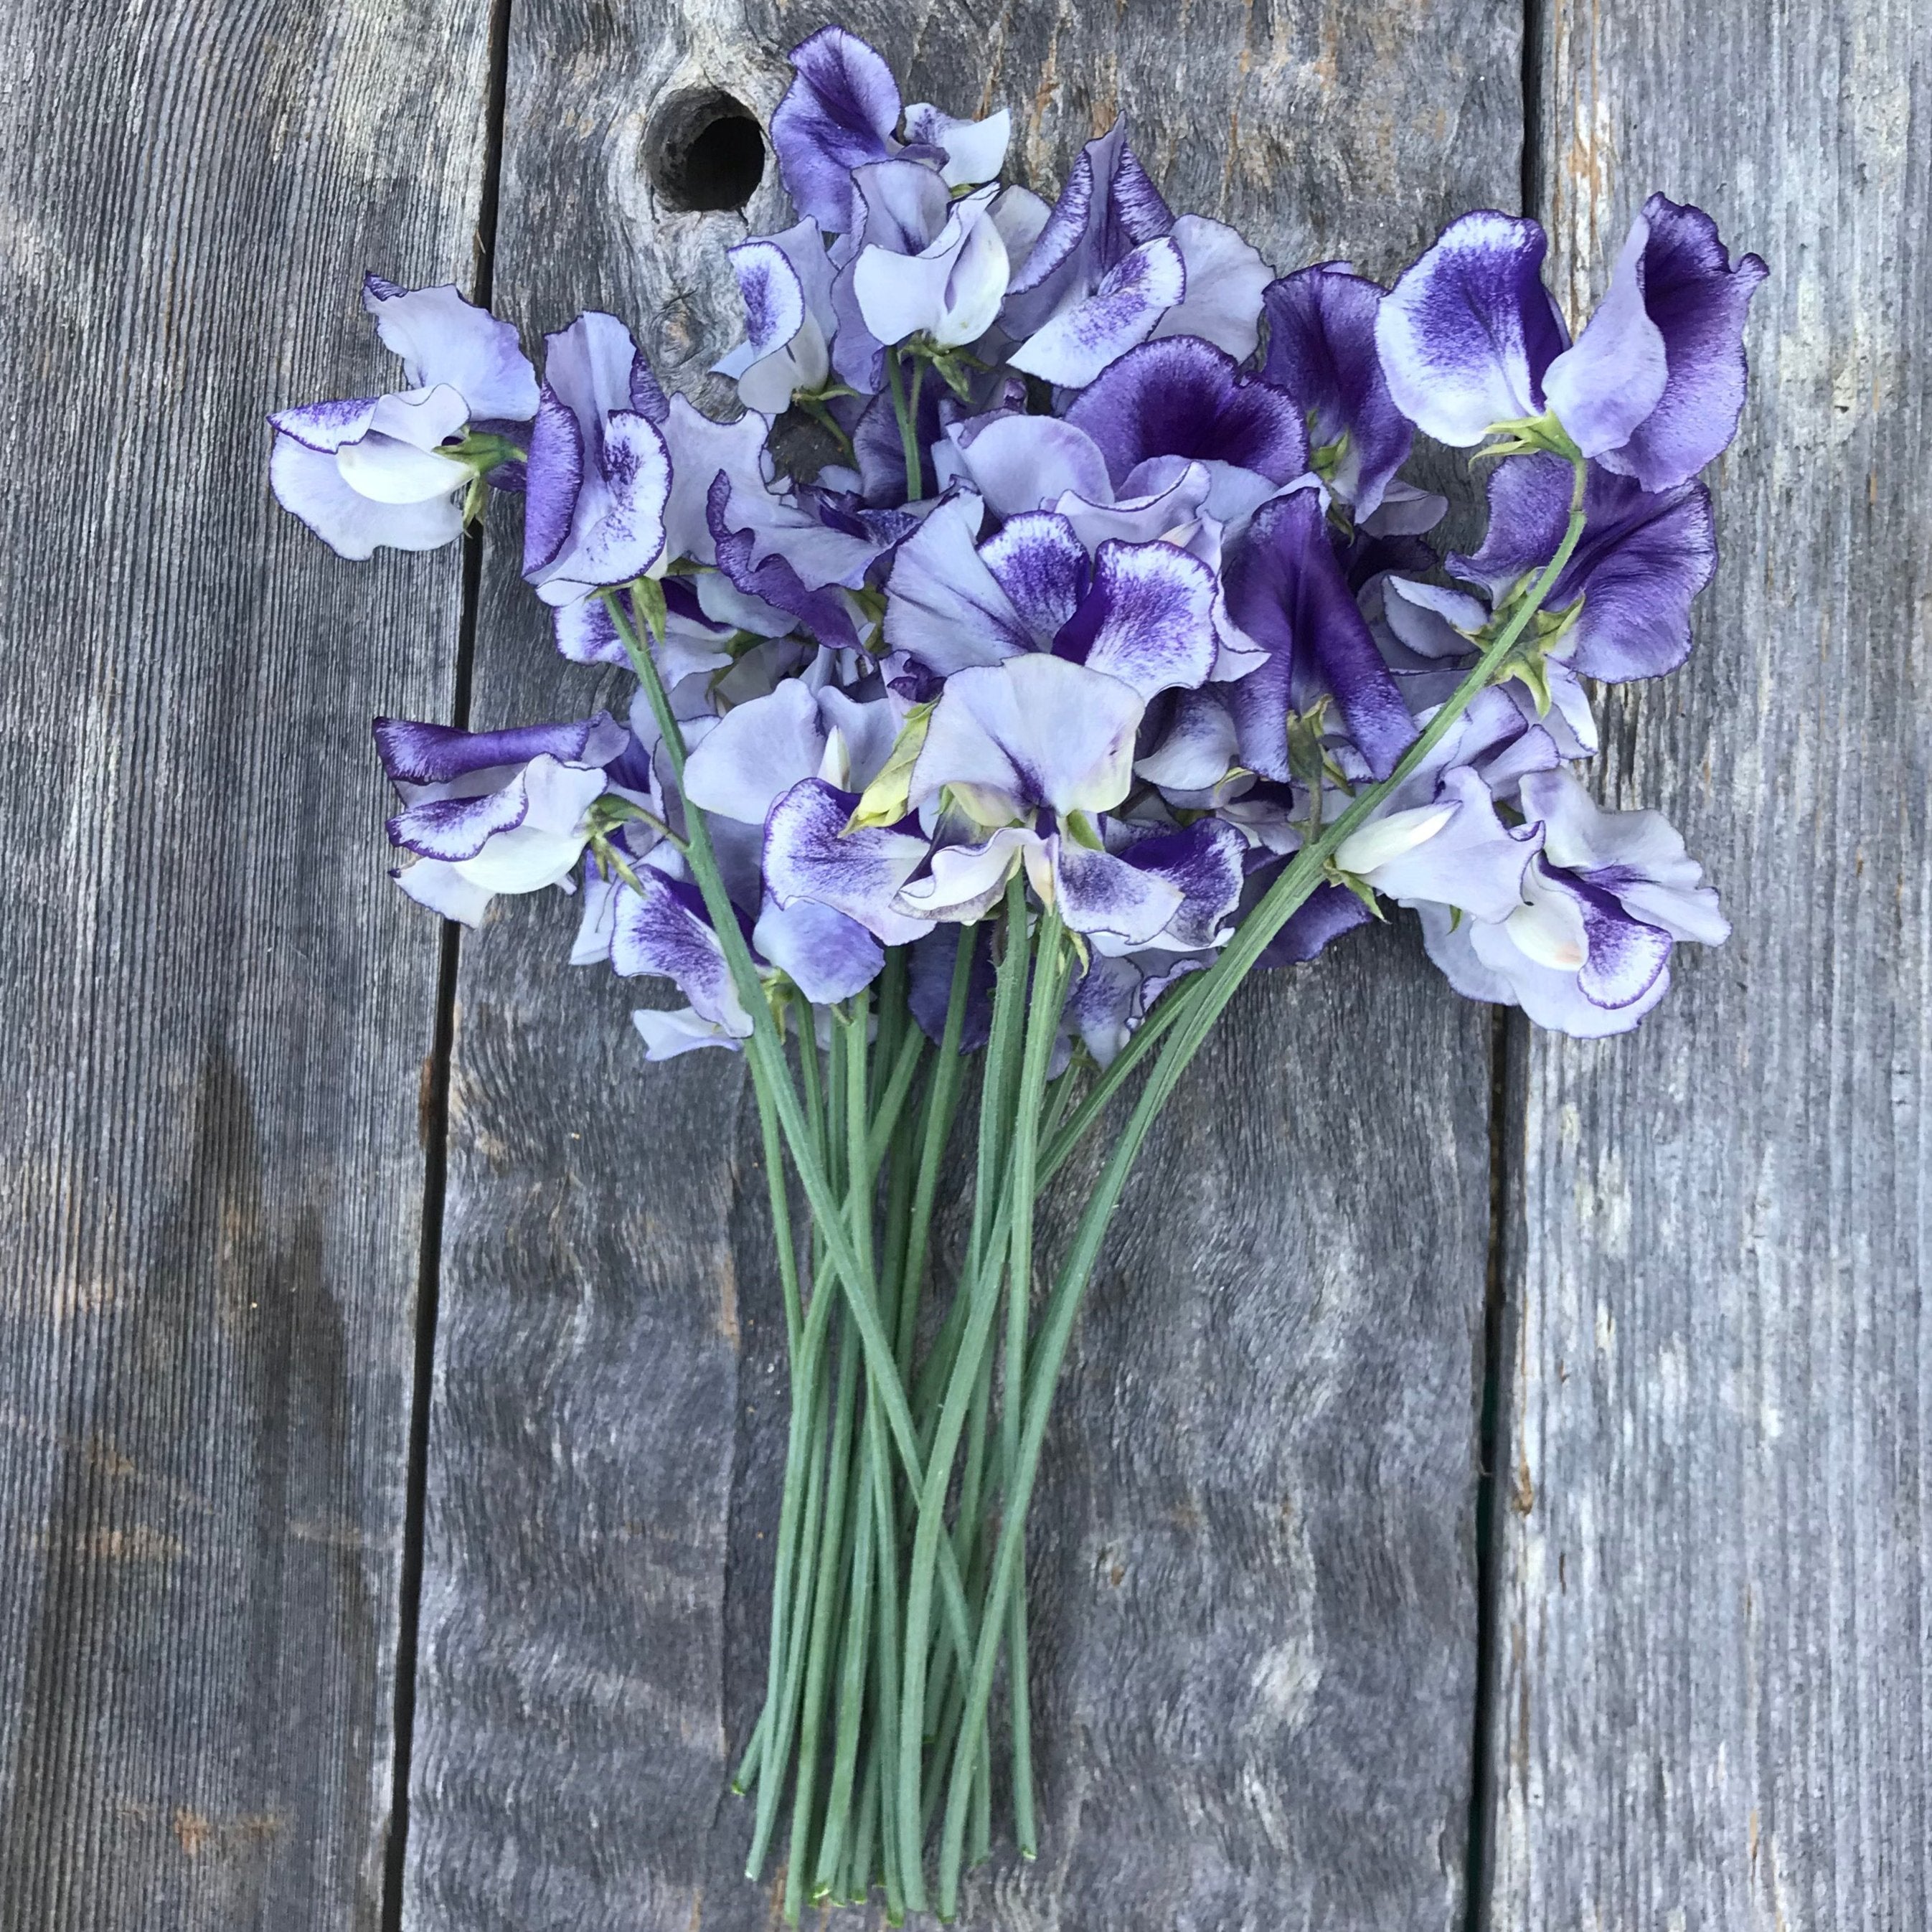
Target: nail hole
704	150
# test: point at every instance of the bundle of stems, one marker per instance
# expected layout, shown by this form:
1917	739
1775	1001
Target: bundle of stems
898	1588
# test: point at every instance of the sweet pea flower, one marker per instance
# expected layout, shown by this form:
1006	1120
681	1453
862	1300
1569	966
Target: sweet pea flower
485	812
841	113
786	282
600	471
1322	350
394	469
1643	557
935	270
1183	396
1470	342
1587	951
1286	591
1140	612
1453	850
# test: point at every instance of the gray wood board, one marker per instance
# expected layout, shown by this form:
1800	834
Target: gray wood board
215	1007
1712	1708
1253	1568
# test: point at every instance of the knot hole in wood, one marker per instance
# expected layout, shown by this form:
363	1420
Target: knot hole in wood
703	150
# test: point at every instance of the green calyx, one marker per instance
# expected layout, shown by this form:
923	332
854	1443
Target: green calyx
885	800
1530	436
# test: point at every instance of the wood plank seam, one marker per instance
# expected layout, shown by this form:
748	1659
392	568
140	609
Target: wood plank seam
435	1105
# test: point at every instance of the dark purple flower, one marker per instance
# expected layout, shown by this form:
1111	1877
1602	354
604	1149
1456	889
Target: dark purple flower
1643	558
1322	350
1285	590
1183	396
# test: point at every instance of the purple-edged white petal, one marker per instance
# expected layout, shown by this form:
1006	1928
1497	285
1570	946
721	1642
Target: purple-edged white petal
1698	301
1149	620
1183	396
310	486
810	855
838	113
442	338
662	927
1612	375
1035	730
397	461
965	881
1225	278
975	150
1080	341
827	956
699	449
1639	856
1020	463
1466	333
1118	906
943	604
1321	349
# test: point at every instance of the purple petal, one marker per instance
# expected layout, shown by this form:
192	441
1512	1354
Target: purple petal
1022	462
929	983
809	855
442	338
1321	349
1195	749
1643	557
1466	334
827	956
662	927
554	477
838	114
1225	278
326	426
943	604
1285	590
1041	565
1149	620
1698	301
1205	863
1327	913
773	296
428	755
699	449
453	828
1075	345
1185	397
1613	377
1119	906
1624	957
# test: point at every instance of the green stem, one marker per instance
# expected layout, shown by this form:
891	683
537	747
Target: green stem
1220	982
767	1054
908	426
932	1547
942	1099
1042	1028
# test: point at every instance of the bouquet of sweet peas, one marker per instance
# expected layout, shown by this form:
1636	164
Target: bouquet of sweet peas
1050	641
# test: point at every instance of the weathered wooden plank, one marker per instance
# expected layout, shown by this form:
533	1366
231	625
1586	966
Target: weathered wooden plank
215	1008
1713	1709
1253	1575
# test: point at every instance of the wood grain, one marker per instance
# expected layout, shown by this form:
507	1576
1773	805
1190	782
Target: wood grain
214	1006
1713	1706
1253	1585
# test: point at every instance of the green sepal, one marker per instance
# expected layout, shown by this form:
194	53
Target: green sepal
1359	887
647	599
1082	830
1530	436
884	802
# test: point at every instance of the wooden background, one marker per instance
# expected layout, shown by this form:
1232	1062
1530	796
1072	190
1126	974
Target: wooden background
1487	1487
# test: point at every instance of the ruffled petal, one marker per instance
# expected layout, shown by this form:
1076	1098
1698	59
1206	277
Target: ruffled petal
442	338
838	113
1225	279
809	854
